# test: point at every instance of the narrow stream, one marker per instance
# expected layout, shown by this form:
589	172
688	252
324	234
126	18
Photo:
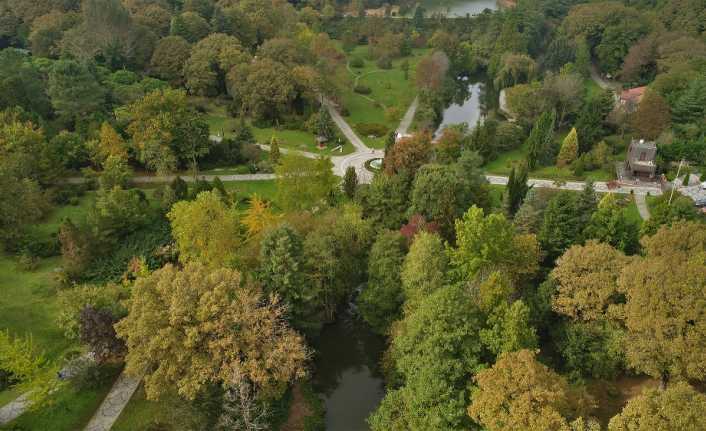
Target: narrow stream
347	372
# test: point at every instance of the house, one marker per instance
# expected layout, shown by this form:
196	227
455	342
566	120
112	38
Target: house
631	98
384	11
640	161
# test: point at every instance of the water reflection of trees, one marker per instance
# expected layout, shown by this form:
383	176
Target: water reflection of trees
347	344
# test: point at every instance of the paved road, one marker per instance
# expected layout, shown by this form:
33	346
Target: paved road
114	403
599	186
406	122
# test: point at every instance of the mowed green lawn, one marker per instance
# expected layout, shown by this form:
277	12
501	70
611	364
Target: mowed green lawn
503	164
221	123
389	88
28	307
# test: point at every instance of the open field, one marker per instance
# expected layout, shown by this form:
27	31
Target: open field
389	88
222	124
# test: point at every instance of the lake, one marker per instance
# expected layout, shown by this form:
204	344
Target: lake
458	8
474	98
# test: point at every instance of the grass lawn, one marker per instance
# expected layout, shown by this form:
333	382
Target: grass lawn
631	212
389	90
222	124
71	410
28	304
505	161
265	189
170	412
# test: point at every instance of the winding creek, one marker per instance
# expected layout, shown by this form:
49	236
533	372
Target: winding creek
347	373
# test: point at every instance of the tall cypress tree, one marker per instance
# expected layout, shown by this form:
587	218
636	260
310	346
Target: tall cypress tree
517	189
541	142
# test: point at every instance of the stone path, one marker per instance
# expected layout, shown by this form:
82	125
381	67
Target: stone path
114	403
406	122
641	204
14	409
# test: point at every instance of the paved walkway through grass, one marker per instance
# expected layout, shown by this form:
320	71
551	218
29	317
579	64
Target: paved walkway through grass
642	207
406	122
114	403
14	409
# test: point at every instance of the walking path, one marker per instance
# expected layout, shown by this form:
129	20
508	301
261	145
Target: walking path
604	84
11	411
641	204
406	122
114	403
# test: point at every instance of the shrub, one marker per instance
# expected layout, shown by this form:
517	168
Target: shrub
89	375
357	62
371	129
384	62
362	89
26	262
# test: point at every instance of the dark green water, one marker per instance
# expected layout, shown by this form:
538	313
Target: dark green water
346	373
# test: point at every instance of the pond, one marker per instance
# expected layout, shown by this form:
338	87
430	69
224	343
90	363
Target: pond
347	375
473	99
457	8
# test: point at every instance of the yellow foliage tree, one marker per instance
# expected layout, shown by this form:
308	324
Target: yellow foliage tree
569	149
205	230
258	216
197	326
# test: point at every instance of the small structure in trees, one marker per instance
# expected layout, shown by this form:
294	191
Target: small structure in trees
640	161
631	98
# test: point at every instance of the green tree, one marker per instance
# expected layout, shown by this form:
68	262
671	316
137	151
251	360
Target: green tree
519	392
210	60
610	224
324	126
191	26
666	292
166	132
281	271
665	213
586	277
489	243
591	349
304	183
541	141
36	375
380	300
424	268
169	57
206	230
274	151
564	219
680	407
569	149
21	84
516	190
590	125
180	328
350	182
266	88
336	255
439	196
386	200
74	91
118	212
22	203
435	351
508	328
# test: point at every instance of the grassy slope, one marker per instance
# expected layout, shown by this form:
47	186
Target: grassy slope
503	164
171	412
389	88
221	123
